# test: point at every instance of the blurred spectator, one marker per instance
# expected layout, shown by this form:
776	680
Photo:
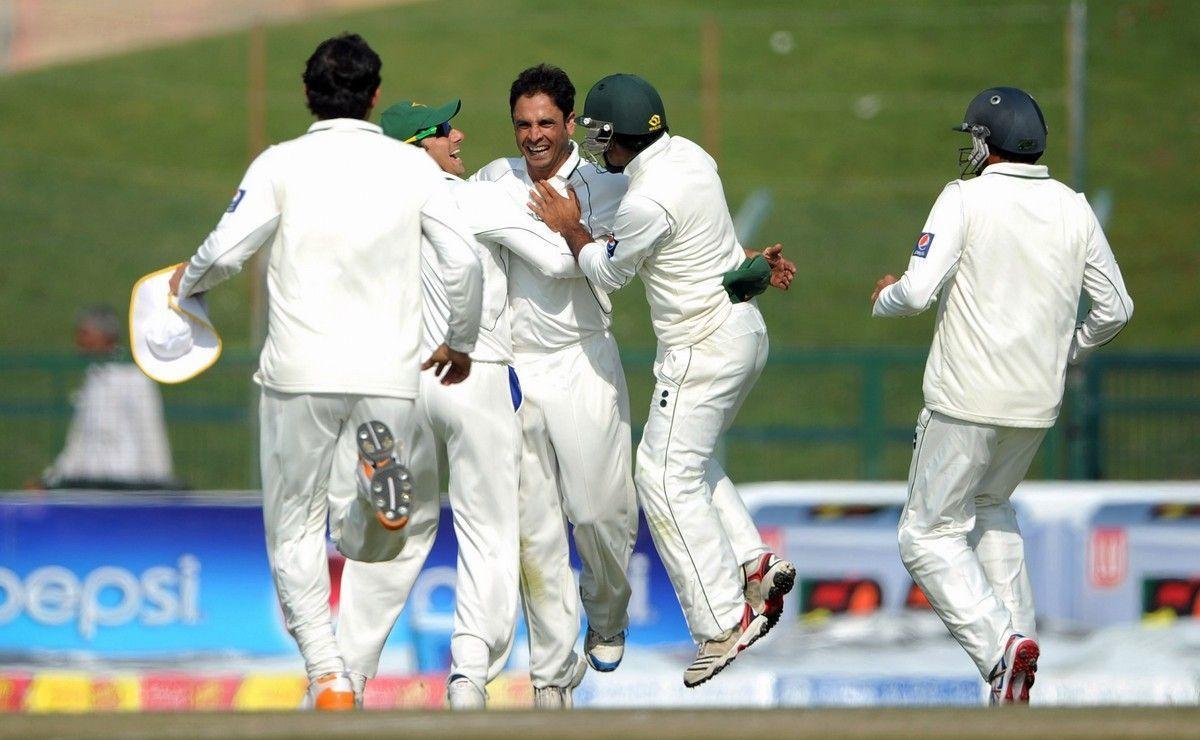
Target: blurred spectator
117	438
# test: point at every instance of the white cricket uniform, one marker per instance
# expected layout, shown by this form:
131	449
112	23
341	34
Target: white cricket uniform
576	429
674	230
344	209
473	428
1008	253
117	435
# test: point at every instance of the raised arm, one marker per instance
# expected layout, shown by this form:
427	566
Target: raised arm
1111	305
249	222
496	219
641	226
934	260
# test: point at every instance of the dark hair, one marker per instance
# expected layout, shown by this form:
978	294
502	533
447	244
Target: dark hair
548	79
1017	157
341	77
102	318
638	142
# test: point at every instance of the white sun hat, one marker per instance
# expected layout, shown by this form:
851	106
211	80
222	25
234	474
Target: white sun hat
172	340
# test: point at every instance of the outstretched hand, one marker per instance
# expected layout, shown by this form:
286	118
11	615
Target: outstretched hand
782	270
448	365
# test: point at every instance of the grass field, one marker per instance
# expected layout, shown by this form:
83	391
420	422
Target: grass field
112	168
1100	722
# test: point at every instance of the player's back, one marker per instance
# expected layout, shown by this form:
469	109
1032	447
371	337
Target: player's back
343	282
683	275
1007	316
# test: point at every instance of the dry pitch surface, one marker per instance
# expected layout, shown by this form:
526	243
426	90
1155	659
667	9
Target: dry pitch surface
660	725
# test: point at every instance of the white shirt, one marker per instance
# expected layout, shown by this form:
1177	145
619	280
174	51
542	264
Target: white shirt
553	305
344	209
500	227
673	228
117	433
1008	252
495	336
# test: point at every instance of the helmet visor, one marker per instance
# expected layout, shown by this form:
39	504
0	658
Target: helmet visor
597	138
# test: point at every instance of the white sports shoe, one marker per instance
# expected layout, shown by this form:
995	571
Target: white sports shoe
768	579
604	654
560	697
331	692
387	482
1014	674
359	683
713	655
463	694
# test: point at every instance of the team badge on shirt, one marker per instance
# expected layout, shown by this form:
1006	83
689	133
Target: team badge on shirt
237	199
923	242
611	246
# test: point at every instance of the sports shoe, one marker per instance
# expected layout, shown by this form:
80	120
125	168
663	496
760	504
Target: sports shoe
604	654
388	483
560	697
713	655
1014	674
463	694
767	580
359	683
331	692
552	697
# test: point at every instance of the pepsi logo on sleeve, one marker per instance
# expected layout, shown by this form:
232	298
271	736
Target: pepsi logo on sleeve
237	199
923	242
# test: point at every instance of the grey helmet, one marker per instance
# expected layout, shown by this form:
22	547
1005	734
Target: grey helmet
1004	119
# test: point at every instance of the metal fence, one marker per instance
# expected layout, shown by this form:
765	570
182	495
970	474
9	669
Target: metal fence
815	414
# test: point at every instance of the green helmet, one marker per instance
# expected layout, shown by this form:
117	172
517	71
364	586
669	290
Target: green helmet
620	104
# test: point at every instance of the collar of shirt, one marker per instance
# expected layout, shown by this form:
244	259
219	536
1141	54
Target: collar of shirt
569	166
344	124
1017	169
643	158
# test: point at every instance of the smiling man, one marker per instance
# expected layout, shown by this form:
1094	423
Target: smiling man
576	415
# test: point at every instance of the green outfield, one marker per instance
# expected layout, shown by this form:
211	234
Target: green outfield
112	168
1092	722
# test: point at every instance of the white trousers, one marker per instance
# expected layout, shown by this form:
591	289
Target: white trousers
958	534
304	438
700	526
472	428
575	463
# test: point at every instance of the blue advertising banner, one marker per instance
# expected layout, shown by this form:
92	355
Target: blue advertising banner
156	576
142	576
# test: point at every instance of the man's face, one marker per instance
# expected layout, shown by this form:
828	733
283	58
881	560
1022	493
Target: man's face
543	133
92	340
445	150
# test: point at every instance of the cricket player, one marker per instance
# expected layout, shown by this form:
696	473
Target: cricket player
1008	253
576	417
673	228
472	428
344	209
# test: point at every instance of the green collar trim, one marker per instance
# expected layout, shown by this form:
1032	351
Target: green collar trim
1023	177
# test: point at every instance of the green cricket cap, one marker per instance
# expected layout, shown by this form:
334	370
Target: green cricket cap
409	121
629	103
